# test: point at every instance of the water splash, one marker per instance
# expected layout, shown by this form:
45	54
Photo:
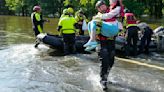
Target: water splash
95	80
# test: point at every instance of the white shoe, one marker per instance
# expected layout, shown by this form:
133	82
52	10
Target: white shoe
90	43
90	47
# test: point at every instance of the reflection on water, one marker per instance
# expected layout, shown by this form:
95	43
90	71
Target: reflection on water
26	69
19	30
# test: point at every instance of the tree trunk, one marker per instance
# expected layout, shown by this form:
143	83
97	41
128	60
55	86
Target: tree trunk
158	9
23	11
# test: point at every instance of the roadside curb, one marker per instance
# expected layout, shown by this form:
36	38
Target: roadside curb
139	63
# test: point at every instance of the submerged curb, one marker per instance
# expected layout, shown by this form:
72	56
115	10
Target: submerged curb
140	63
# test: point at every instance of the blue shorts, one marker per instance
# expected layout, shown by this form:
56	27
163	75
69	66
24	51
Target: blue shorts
107	29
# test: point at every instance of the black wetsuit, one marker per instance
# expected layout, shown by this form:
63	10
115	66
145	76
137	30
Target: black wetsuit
132	39
106	56
37	21
145	40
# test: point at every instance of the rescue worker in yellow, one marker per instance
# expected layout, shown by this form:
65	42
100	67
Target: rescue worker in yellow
37	21
66	26
80	17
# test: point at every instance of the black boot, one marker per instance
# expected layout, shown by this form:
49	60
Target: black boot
37	42
66	49
103	82
104	85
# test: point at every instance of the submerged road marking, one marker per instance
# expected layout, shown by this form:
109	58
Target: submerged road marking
140	63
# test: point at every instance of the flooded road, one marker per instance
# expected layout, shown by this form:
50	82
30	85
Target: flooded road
26	69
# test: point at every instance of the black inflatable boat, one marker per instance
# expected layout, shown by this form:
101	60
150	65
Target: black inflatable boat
55	42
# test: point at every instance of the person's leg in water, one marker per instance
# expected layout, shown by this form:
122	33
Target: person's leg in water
148	41
66	39
147	34
129	42
36	32
106	55
135	39
142	44
132	37
72	44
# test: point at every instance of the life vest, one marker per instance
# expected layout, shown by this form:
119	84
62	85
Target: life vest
129	20
100	36
37	21
67	23
115	17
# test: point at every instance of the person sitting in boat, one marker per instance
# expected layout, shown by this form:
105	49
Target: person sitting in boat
146	38
66	26
80	17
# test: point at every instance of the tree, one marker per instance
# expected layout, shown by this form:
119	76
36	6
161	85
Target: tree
134	6
151	7
55	7
4	9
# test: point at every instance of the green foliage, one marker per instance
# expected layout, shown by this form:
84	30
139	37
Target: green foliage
84	2
12	4
55	7
66	2
4	9
134	6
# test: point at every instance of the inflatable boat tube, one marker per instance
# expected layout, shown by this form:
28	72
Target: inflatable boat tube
56	42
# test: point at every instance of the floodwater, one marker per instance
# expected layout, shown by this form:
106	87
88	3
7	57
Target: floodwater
26	69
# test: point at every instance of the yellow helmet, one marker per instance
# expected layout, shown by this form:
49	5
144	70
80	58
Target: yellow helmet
64	11
70	10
